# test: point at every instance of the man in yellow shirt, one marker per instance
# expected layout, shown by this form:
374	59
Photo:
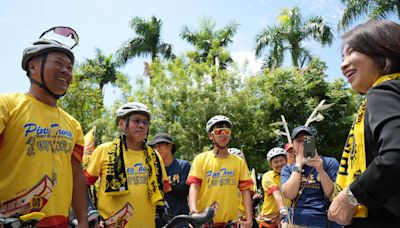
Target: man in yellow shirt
40	144
216	175
133	180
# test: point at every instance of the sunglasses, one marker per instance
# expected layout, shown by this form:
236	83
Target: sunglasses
64	31
220	131
137	122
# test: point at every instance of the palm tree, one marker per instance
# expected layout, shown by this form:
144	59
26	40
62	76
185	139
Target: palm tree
210	43
288	35
102	68
147	43
375	9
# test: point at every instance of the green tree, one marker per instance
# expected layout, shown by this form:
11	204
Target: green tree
103	69
210	44
84	99
374	9
288	35
148	42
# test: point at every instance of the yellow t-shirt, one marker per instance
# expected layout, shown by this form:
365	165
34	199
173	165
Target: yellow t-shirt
27	138
142	212
270	183
219	180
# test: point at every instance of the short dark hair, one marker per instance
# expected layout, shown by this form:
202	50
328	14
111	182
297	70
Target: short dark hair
380	40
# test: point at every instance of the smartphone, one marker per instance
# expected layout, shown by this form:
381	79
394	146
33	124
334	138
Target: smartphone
309	146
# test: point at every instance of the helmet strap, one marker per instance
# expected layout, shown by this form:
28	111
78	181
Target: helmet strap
124	140
126	124
42	84
124	133
219	147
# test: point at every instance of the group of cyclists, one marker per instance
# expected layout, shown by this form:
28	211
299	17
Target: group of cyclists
135	182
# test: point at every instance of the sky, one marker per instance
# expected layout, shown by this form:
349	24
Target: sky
104	24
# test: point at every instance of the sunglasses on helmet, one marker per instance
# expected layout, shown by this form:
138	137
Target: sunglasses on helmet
64	31
220	131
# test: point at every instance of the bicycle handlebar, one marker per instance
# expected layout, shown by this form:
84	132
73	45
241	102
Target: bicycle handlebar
20	221
194	220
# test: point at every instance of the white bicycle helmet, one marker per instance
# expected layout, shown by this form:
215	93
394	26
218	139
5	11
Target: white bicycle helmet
42	46
132	107
217	119
275	152
237	152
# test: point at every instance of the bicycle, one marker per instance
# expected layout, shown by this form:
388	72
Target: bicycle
21	221
196	221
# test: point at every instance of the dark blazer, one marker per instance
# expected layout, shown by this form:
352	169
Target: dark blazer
379	186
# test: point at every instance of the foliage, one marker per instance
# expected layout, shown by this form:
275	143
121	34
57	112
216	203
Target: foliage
374	9
84	99
288	35
188	90
147	42
184	98
103	69
210	44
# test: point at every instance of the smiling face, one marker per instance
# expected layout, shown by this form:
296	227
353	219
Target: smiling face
360	70
57	71
278	162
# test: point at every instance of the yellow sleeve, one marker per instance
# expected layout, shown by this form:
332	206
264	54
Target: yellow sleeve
245	181
80	142
196	173
93	169
269	182
5	110
264	181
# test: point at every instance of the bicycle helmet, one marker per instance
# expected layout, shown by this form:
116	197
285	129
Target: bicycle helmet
237	152
217	119
132	107
43	46
275	152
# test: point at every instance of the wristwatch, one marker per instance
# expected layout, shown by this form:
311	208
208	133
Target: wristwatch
296	169
351	198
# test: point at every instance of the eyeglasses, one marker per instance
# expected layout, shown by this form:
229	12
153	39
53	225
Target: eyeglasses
64	31
220	131
137	122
